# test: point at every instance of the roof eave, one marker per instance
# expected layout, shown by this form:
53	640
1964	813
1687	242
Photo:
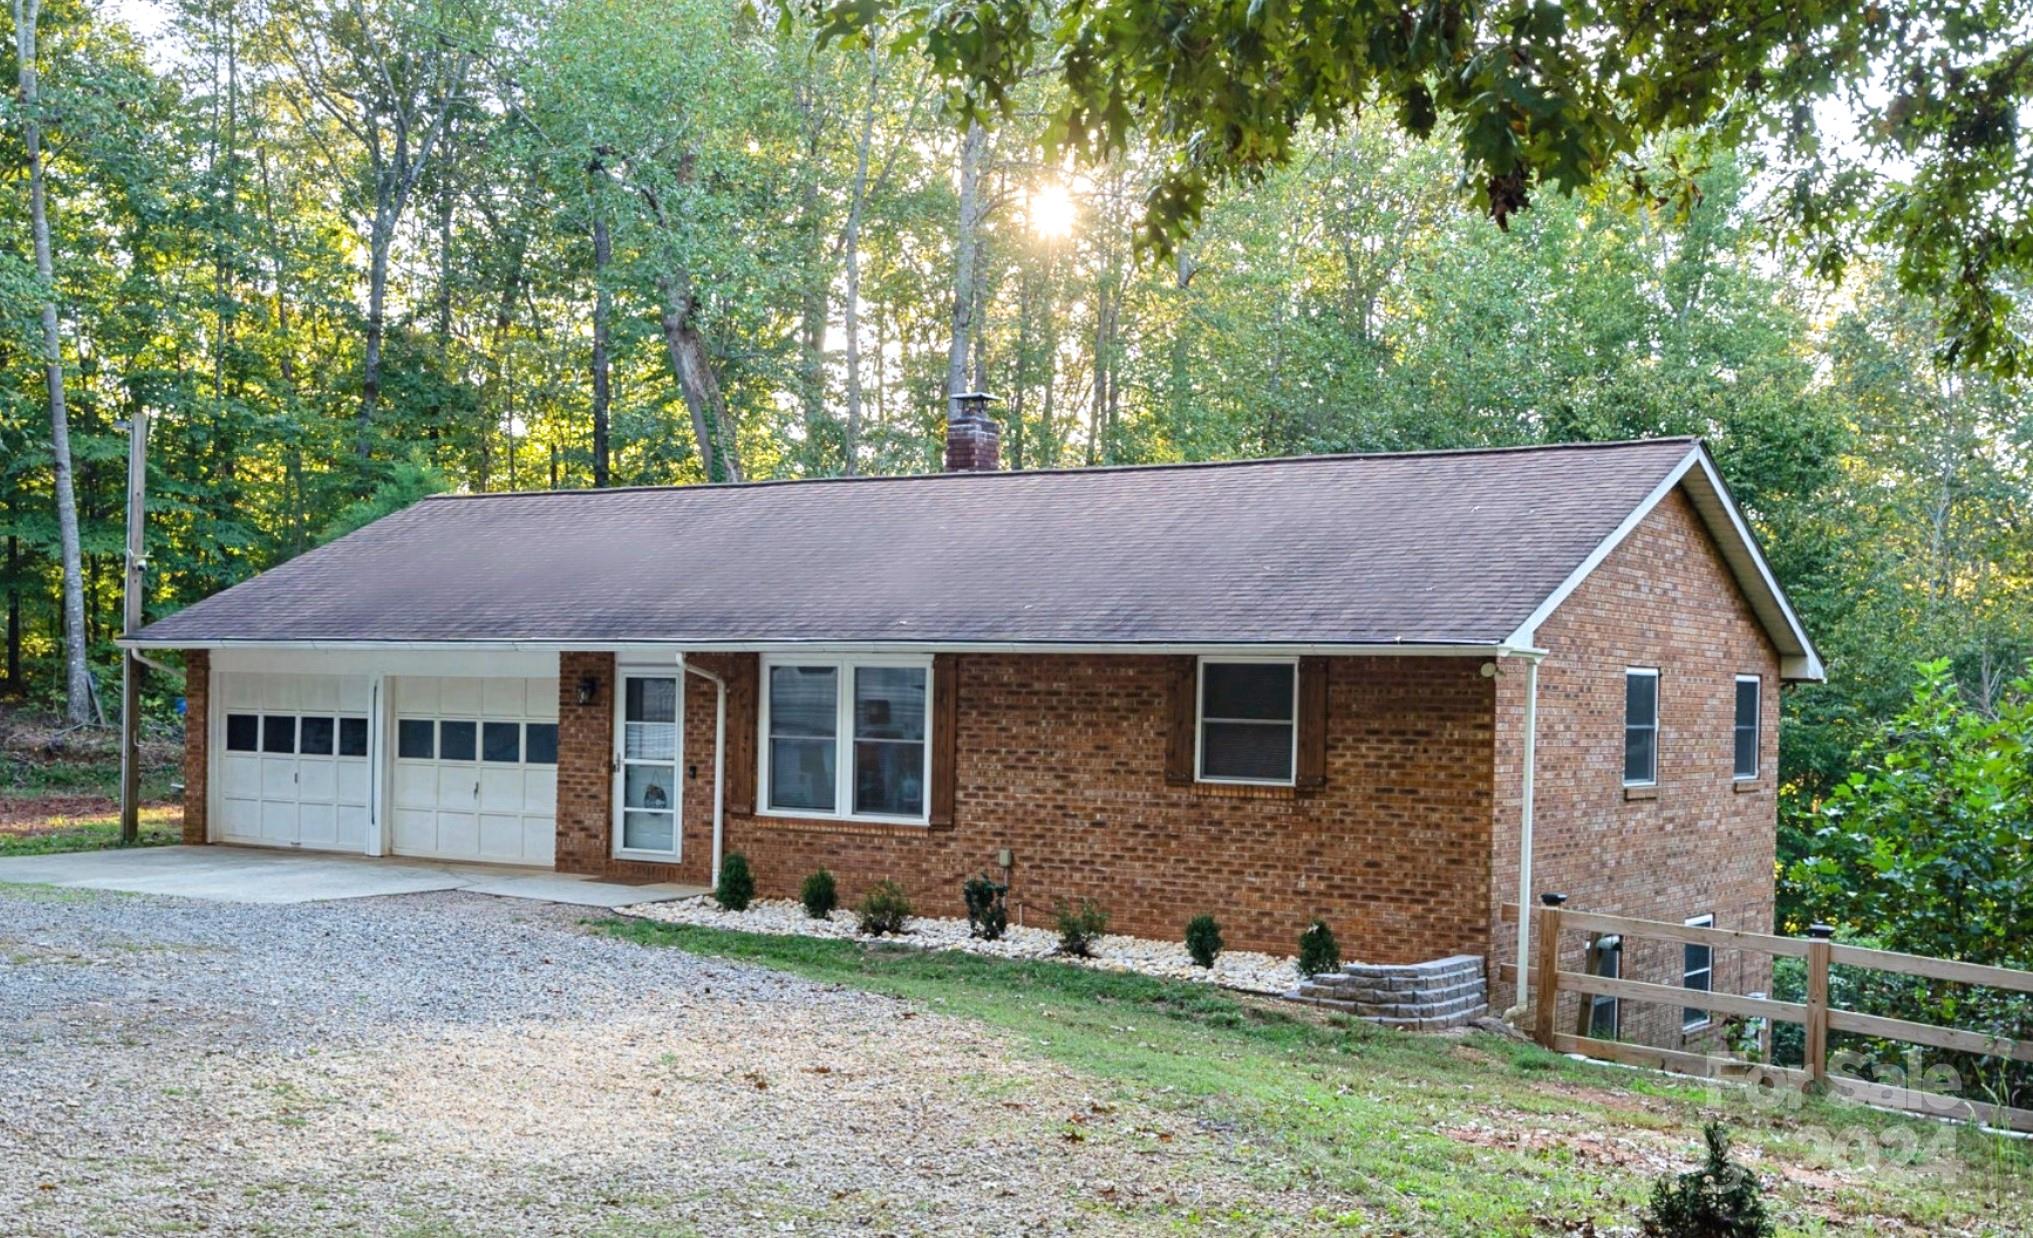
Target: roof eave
1405	648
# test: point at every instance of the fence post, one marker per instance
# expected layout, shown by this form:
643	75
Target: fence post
1817	1002
1546	988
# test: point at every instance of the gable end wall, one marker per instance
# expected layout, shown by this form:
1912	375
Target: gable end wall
1701	842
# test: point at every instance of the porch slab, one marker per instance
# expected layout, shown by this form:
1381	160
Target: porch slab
256	875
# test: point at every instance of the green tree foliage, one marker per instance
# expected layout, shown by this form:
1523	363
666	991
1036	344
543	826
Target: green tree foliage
1927	848
1927	845
1530	95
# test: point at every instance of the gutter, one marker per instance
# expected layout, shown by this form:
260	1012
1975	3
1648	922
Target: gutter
719	753
1482	649
1529	761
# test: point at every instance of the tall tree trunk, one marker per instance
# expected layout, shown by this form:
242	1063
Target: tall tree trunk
694	370
77	675
14	684
603	308
850	247
504	317
812	311
380	237
966	240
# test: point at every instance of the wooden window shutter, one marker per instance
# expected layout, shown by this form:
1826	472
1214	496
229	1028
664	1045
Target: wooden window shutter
945	736
743	717
1185	686
1312	772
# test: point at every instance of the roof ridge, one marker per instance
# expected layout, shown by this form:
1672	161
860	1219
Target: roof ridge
1083	470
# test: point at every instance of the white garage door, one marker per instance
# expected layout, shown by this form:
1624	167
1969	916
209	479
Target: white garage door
476	769
293	764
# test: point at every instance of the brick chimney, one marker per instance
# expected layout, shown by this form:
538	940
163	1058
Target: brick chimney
973	443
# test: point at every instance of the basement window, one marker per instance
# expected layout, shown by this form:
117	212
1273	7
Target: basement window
1641	726
847	738
1248	726
1697	971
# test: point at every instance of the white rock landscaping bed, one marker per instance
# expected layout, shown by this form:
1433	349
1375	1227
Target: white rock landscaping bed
1245	970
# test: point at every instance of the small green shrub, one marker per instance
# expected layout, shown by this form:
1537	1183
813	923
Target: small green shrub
737	885
987	913
1079	927
1203	940
885	909
1318	951
1720	1200
820	895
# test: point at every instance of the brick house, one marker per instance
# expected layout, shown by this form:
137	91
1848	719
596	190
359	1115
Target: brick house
1268	690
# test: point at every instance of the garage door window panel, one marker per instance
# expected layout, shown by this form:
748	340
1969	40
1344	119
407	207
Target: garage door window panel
501	742
315	736
352	737
278	733
540	743
243	732
456	740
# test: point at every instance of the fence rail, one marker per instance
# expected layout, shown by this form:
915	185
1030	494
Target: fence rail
1816	1014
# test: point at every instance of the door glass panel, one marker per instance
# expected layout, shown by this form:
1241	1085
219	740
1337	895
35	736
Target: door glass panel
648	831
648	786
243	732
352	737
649	752
314	736
650	718
278	733
501	741
455	740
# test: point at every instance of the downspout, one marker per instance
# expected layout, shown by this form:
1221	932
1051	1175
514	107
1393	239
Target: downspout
719	754
1525	836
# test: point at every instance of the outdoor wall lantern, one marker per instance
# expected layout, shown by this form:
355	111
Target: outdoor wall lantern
589	689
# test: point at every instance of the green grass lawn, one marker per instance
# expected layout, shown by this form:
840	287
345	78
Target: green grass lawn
1424	1134
159	827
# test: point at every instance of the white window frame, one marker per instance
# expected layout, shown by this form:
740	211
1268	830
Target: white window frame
1757	727
1200	720
1705	920
843	666
622	674
1652	673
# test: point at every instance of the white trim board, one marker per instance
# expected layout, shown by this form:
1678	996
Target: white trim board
1739	547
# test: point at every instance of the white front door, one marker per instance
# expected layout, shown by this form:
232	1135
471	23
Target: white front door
649	746
293	760
475	769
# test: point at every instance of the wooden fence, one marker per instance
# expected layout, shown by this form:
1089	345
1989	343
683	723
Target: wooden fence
1816	1014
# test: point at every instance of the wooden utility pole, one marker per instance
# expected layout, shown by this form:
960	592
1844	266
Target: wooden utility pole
130	662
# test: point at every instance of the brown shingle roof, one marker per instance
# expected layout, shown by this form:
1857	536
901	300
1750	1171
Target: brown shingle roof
1444	547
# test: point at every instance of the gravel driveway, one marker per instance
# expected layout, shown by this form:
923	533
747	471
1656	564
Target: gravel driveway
452	1063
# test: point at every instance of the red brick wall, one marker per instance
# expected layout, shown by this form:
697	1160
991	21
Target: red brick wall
1701	842
1062	760
585	769
197	742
